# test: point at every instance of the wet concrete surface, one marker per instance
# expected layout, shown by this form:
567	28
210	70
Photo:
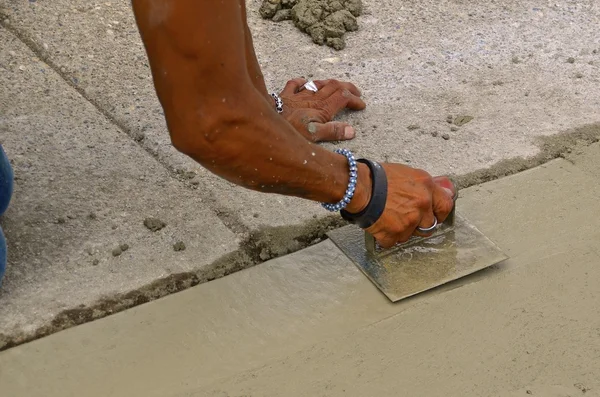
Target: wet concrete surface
311	324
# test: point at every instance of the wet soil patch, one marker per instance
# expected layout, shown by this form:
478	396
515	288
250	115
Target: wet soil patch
325	21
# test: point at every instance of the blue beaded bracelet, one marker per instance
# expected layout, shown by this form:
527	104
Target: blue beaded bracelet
351	183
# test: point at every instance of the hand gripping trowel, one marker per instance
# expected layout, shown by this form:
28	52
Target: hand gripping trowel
456	249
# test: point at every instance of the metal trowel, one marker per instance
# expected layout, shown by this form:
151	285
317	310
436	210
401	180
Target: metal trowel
456	249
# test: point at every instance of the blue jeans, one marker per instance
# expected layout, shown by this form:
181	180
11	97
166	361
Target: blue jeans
6	189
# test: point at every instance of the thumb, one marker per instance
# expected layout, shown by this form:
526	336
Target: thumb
446	183
332	131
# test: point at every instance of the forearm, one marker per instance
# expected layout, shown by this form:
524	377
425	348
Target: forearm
250	145
252	65
217	115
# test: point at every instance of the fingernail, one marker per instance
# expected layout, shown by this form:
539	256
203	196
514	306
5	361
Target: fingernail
348	132
449	191
445	183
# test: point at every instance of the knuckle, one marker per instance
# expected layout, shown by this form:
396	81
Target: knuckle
425	177
445	207
411	221
318	104
424	202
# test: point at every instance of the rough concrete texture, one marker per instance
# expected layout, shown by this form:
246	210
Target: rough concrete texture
506	64
78	248
310	324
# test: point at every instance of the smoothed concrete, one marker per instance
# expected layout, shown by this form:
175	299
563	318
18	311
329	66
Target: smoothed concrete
311	324
504	63
82	189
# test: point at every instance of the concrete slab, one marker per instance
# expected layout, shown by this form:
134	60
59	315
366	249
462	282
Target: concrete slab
534	326
310	324
585	158
416	61
82	190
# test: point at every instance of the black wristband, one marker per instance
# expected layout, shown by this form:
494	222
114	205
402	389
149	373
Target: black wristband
372	212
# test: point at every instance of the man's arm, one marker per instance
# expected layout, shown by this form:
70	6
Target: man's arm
216	114
252	64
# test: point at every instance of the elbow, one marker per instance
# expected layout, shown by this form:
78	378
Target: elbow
211	126
211	139
185	142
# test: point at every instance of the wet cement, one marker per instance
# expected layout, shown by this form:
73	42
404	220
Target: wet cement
326	21
261	245
550	147
530	324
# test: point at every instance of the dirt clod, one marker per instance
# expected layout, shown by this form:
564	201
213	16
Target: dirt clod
95	262
462	120
434	134
445	136
117	251
139	136
179	246
570	60
326	21
413	127
61	220
282	15
124	247
453	129
92	216
581	387
154	224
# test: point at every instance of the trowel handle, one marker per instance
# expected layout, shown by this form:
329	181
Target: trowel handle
371	243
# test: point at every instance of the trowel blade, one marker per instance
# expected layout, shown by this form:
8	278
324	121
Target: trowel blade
421	263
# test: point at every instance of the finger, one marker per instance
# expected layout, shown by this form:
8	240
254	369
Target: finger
340	101
445	182
443	202
427	221
332	131
330	86
385	240
293	86
386	243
